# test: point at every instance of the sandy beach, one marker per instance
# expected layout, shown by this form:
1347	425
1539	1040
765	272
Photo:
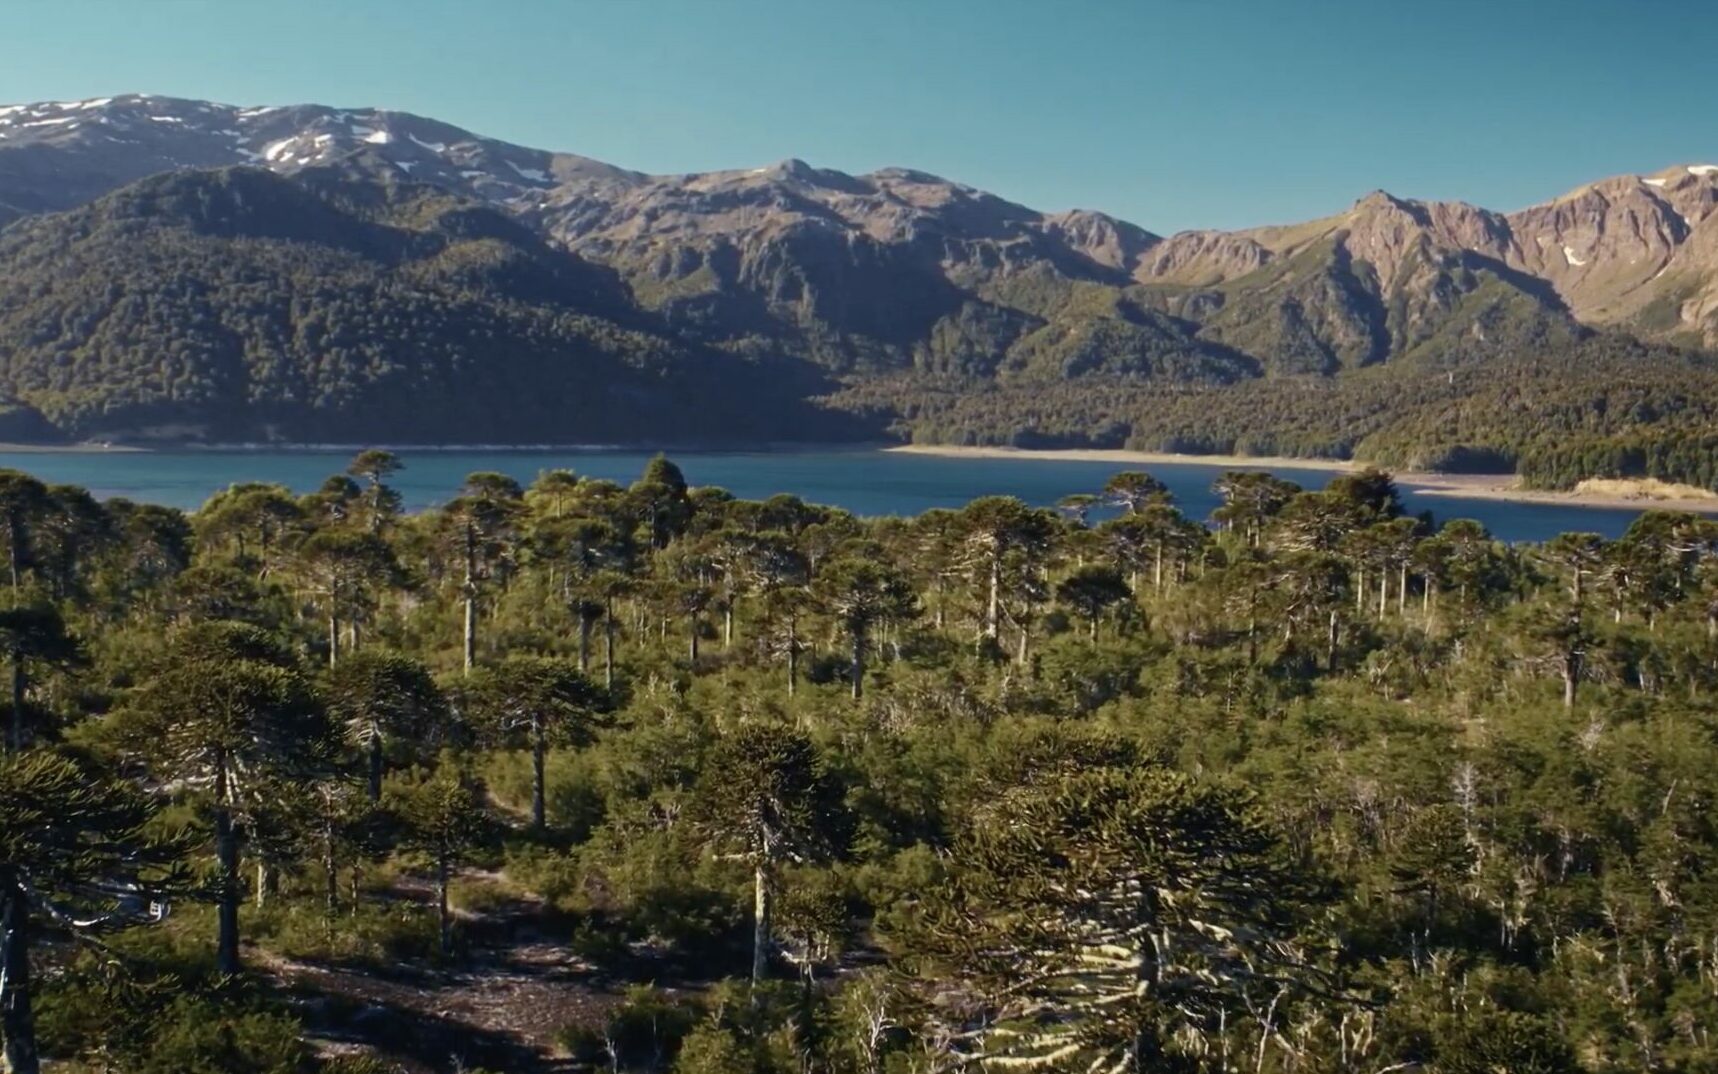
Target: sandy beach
1621	494
61	449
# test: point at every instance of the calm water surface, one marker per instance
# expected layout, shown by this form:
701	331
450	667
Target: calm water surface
865	482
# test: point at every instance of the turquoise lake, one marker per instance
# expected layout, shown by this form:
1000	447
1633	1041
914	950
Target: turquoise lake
867	482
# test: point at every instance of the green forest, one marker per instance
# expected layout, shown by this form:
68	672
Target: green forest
343	305
583	776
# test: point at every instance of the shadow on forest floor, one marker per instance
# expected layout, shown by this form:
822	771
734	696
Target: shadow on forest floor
501	1007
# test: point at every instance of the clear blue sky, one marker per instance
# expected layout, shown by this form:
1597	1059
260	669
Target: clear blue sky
1170	113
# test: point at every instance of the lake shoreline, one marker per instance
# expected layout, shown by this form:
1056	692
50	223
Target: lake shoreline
1605	495
1614	495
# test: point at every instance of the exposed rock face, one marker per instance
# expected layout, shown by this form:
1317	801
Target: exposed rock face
1201	259
899	269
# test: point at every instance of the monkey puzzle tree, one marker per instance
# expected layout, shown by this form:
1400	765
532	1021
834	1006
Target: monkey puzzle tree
381	698
251	520
343	570
778	572
1091	591
660	500
578	550
859	595
443	817
1132	490
73	850
33	635
995	528
1251	499
553	492
483	527
537	700
1076	507
1108	919
225	713
765	796
381	504
73	532
23	503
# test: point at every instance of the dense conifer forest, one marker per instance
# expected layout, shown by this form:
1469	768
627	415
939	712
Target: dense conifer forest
578	776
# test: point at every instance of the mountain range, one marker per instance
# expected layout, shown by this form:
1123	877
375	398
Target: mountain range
175	269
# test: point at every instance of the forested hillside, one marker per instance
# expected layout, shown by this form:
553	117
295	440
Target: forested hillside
184	271
588	777
238	305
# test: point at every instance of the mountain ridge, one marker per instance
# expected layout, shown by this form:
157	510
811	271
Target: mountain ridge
897	290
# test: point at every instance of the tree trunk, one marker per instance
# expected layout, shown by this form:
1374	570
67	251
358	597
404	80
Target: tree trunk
469	591
330	871
375	767
792	657
993	606
608	644
444	919
227	909
1571	674
17	1018
856	667
585	625
16	734
1331	640
760	923
728	626
539	757
692	639
333	639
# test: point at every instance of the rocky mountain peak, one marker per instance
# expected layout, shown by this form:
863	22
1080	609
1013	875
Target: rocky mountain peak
1610	249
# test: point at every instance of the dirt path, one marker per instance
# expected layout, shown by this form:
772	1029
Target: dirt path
500	1008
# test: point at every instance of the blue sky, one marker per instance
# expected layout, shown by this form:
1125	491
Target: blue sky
1170	113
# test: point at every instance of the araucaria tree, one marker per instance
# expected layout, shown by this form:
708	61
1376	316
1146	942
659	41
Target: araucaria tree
443	817
74	853
384	700
225	713
1288	790
538	701
860	595
766	798
1115	920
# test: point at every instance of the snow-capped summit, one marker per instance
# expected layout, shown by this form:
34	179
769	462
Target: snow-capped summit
76	150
